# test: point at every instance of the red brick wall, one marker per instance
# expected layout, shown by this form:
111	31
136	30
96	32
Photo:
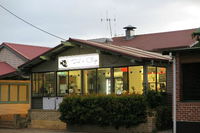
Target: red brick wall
186	111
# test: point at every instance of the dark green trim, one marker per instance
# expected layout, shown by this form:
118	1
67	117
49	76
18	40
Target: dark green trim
27	93
13	102
13	83
18	93
68	44
8	92
0	92
44	58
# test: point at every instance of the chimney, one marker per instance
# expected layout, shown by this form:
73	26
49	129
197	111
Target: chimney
130	32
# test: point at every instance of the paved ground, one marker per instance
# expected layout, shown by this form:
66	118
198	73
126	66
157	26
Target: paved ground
168	131
46	131
33	131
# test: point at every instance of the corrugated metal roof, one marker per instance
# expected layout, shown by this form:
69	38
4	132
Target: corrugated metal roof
124	50
158	41
27	51
6	68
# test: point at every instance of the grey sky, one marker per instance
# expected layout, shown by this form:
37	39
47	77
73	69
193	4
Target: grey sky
81	18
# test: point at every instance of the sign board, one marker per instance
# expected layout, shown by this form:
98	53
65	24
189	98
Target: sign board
51	103
78	61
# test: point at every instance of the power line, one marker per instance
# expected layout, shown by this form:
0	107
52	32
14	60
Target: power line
31	24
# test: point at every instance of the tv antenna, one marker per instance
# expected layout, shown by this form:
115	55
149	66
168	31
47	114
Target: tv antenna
108	21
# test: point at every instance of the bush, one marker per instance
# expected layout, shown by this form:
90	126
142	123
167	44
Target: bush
155	99
116	111
164	118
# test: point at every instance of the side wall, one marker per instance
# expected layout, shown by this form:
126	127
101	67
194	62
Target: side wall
188	113
9	57
14	97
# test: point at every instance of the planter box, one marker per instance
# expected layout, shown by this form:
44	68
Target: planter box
147	127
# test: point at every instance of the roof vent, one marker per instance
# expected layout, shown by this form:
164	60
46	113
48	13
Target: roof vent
130	32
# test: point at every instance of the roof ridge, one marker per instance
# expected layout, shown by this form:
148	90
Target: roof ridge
124	50
10	43
162	32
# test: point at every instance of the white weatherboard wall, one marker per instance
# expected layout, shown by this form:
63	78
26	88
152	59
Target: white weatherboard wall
51	103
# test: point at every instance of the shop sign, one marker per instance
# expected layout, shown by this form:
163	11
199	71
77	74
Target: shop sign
78	61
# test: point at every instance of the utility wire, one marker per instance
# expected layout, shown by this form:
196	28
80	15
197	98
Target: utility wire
31	24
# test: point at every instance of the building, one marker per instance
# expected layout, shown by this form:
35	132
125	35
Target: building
128	64
83	67
187	96
14	86
13	55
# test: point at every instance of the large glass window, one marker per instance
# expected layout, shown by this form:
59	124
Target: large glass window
89	82
62	84
136	80
157	78
151	78
161	78
121	80
191	81
44	84
75	82
49	84
37	84
103	81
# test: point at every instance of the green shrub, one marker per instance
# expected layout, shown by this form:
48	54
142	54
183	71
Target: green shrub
116	111
155	99
163	118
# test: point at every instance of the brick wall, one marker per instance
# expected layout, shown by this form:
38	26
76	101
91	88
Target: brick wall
186	111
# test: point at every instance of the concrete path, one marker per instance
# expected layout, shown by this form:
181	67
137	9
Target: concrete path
28	130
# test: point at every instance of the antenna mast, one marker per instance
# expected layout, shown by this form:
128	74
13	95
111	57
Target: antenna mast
108	21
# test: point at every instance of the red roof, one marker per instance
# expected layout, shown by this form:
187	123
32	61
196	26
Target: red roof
27	51
6	68
158	41
124	50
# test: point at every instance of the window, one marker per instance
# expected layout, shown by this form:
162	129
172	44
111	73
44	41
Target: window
121	80
156	78
191	81
136	80
89	81
14	92
62	84
151	78
104	81
43	84
75	82
161	78
37	83
49	84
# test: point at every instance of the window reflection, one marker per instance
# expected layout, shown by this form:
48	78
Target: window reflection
62	78
136	80
120	80
161	78
104	81
75	82
151	78
49	84
89	82
44	84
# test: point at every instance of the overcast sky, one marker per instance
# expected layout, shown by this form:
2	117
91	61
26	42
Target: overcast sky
82	18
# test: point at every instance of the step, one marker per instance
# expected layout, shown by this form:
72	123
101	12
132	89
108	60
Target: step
7	124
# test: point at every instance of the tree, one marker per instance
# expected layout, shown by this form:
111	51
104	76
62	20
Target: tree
196	34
